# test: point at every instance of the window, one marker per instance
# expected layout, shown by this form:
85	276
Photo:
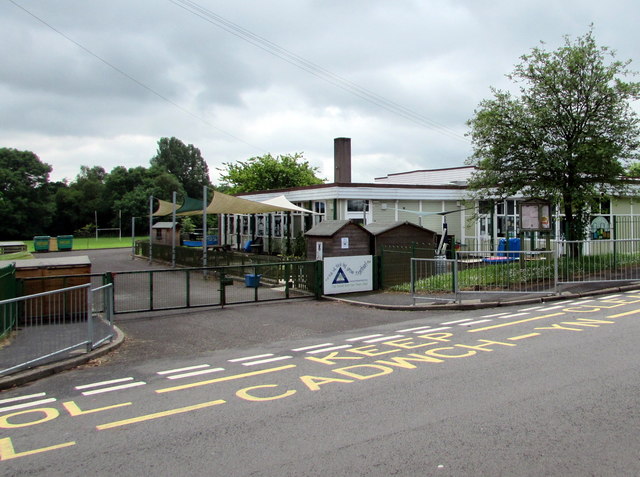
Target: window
357	205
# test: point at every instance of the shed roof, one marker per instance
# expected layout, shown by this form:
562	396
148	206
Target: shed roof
164	225
377	228
329	228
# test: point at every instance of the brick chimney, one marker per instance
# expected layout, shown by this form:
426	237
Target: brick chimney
342	160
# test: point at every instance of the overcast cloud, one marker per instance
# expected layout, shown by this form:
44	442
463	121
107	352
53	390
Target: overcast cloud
234	100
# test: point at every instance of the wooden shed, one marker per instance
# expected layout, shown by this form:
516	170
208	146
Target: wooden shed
338	238
401	234
162	233
38	273
45	268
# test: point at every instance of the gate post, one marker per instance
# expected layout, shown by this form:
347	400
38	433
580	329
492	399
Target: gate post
319	281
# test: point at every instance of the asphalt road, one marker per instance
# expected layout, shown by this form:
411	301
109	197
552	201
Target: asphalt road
544	390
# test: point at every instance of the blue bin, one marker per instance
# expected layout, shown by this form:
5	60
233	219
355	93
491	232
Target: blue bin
252	280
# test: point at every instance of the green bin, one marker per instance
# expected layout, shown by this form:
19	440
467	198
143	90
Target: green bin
65	242
41	243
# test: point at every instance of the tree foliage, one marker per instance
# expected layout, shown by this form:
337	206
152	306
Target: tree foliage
184	162
565	137
267	173
25	205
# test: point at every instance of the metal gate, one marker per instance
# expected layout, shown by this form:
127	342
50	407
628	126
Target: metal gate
149	290
433	279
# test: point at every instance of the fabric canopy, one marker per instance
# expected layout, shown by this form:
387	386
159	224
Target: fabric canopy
228	204
190	205
164	208
282	201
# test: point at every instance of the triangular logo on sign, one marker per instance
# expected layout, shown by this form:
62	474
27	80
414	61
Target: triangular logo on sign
340	277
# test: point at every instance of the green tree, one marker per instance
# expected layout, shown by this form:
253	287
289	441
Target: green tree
128	190
78	203
565	137
26	208
268	173
634	169
184	162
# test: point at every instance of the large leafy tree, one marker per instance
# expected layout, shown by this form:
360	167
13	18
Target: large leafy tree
183	161
26	208
566	136
268	173
128	190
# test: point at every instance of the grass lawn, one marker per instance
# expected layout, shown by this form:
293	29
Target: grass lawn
91	243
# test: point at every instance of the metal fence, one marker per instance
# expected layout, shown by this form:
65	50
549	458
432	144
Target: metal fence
599	260
8	289
395	263
433	279
55	325
149	290
526	271
506	272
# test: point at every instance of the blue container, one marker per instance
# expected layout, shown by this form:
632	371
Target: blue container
251	280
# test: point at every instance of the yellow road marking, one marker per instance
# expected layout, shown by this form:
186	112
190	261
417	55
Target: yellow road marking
74	410
224	378
7	451
522	337
626	313
501	325
156	415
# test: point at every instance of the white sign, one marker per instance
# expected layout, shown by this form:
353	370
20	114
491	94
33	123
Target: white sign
345	242
348	274
319	250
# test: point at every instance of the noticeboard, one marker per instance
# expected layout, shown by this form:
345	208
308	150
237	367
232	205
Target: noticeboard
535	215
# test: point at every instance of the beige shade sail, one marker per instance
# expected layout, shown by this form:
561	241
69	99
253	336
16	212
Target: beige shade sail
228	204
282	201
164	208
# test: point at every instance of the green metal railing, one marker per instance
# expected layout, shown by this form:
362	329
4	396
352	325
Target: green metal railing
8	290
149	290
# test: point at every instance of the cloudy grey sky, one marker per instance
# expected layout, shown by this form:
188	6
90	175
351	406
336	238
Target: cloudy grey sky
99	82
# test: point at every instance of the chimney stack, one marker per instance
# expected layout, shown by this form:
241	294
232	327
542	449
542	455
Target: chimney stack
342	160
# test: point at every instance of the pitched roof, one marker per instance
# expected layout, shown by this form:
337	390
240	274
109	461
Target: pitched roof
377	228
328	228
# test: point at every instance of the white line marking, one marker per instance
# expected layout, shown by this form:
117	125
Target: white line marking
434	329
195	373
247	358
312	347
610	296
456	322
262	361
532	308
26	404
549	308
473	322
324	350
413	329
514	315
384	338
494	315
22	398
114	388
103	383
360	338
180	370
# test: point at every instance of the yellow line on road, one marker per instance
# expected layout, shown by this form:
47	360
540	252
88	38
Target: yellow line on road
514	322
626	313
522	337
224	378
156	415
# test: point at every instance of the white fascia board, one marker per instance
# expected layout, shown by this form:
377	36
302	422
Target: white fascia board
373	193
